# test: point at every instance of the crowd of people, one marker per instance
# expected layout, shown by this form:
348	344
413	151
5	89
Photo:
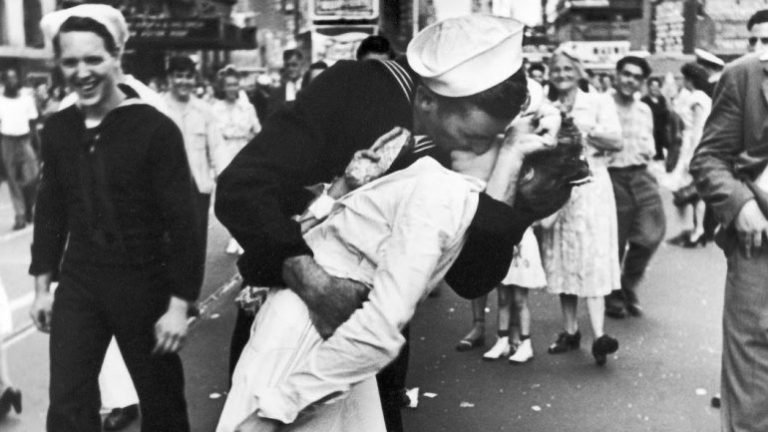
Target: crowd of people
352	192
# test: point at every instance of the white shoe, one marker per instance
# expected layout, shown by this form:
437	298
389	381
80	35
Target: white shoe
523	354
233	248
499	350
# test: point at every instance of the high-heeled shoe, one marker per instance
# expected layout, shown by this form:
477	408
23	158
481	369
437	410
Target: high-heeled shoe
690	243
603	346
680	239
565	342
468	344
11	397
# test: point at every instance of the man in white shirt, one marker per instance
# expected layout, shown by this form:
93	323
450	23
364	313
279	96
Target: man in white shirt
203	138
17	115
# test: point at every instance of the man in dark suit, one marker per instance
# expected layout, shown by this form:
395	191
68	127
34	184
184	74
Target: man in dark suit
293	69
728	167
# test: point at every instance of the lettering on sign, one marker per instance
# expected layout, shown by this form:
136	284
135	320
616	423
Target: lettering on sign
344	9
142	28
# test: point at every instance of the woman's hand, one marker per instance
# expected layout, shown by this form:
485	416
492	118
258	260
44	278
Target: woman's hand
524	144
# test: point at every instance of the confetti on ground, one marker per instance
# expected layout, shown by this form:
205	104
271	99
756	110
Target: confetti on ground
536	408
430	395
215	316
701	392
451	310
214	395
466	405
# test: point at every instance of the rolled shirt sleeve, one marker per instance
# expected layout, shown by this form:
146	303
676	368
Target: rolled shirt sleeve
429	226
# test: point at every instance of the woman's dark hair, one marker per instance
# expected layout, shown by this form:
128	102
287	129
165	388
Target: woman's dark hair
502	101
85	24
696	74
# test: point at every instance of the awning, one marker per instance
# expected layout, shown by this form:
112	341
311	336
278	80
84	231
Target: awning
189	33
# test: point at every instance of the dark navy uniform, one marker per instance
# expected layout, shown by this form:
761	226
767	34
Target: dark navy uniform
115	220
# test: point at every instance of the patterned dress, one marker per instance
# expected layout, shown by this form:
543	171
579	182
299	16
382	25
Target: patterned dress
525	270
580	249
238	124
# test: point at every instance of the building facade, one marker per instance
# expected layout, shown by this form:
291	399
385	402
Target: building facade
600	31
21	42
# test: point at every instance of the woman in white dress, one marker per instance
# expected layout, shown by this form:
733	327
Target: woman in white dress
580	242
10	397
514	321
238	123
694	112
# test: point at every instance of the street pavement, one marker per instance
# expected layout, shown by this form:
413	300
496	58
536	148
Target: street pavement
661	379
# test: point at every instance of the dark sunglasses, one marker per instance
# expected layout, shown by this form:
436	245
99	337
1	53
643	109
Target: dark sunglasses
636	77
753	41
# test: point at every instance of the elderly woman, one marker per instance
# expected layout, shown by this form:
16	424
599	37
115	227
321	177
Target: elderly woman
238	123
579	243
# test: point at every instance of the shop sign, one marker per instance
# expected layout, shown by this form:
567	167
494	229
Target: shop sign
176	28
599	53
589	3
331	49
327	10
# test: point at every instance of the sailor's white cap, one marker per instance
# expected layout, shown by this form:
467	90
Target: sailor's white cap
706	57
466	55
110	17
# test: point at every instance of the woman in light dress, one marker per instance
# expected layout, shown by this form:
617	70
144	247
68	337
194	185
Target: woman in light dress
580	242
514	320
238	123
693	110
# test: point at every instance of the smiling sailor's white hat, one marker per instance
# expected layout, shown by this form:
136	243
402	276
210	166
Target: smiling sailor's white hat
466	55
108	16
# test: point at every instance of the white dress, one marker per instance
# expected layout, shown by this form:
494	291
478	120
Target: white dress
238	123
580	250
399	235
692	131
525	270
